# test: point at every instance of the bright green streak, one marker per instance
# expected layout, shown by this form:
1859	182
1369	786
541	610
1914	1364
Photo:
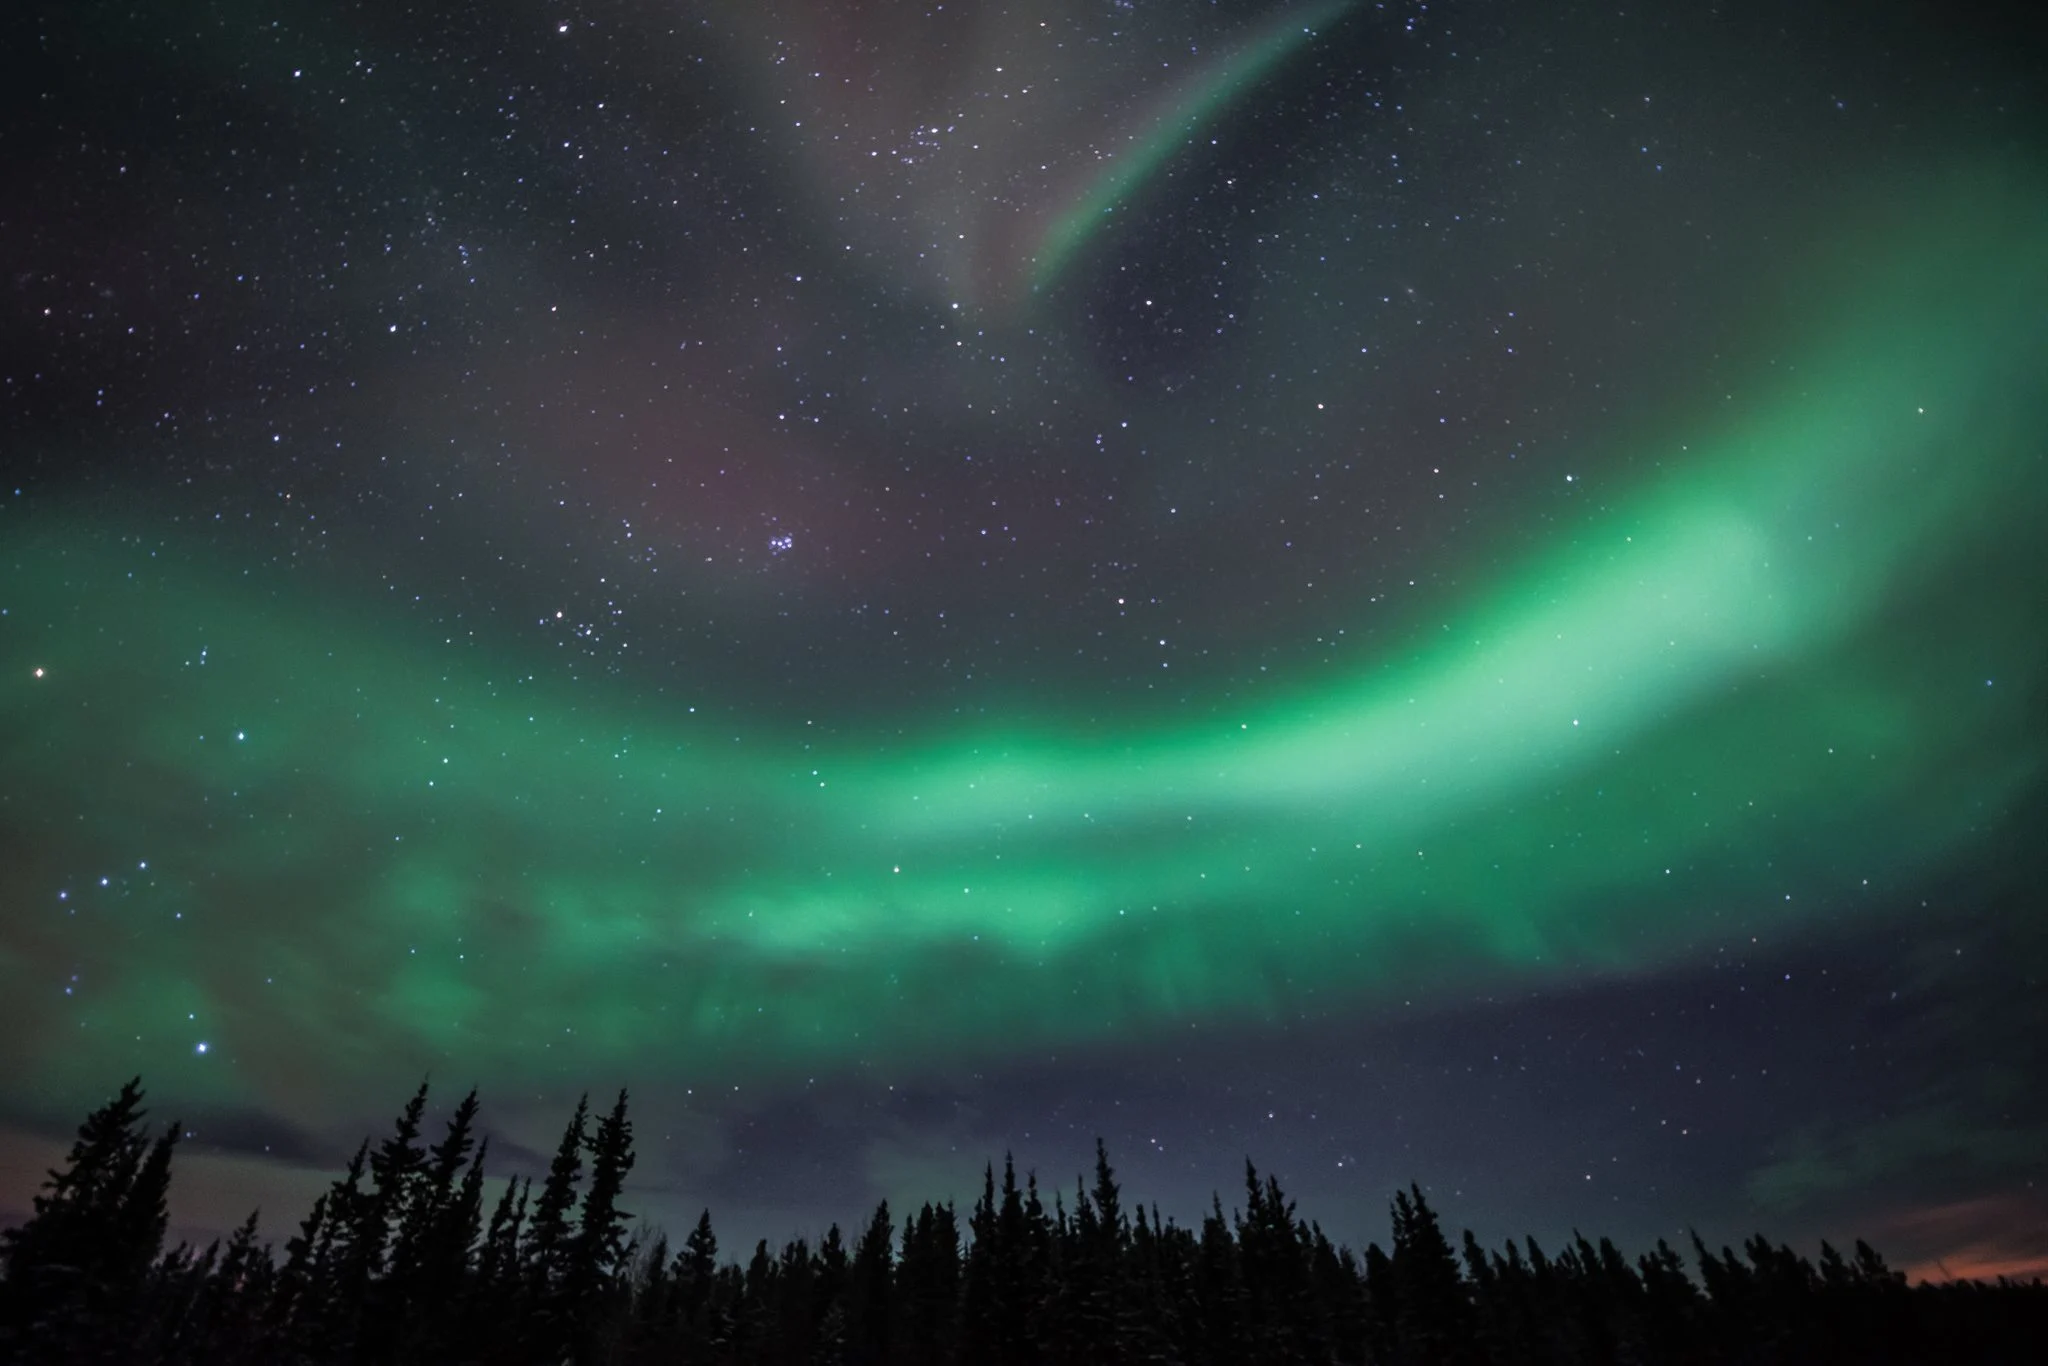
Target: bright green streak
1123	174
1764	677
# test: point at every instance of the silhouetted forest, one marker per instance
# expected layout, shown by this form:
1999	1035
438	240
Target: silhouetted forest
399	1261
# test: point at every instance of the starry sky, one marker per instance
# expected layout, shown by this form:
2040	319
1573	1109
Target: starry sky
1439	592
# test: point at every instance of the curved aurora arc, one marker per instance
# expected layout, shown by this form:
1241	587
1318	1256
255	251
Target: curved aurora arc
1121	176
1728	690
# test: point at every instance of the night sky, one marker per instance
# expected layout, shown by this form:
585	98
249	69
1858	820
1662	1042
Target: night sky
1442	592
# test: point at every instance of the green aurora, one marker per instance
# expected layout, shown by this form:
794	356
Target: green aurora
1201	102
1789	676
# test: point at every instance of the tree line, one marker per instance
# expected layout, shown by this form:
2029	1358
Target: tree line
399	1262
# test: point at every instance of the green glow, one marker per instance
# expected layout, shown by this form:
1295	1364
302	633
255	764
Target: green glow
1741	690
1281	38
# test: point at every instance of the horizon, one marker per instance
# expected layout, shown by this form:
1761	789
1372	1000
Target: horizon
1975	1259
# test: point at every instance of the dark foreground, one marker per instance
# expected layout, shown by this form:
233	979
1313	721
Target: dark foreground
399	1262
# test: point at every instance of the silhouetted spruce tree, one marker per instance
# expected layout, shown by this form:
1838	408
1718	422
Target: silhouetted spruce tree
829	1285
1220	1325
295	1282
496	1297
156	1316
1731	1301
436	1231
723	1328
753	1315
1160	1272
829	1346
365	1322
1064	1330
1159	1289
76	1269
1000	1322
1107	1311
597	1252
1793	1291
869	1292
796	1305
1382	1306
454	1238
1671	1308
433	1190
1432	1316
1884	1311
695	1276
929	1278
1042	1269
1495	1336
1099	1286
651	1293
212	1313
549	1230
1613	1308
1340	1295
979	1333
1520	1307
315	1318
1281	1322
141	1215
1499	1303
500	1257
1567	1290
